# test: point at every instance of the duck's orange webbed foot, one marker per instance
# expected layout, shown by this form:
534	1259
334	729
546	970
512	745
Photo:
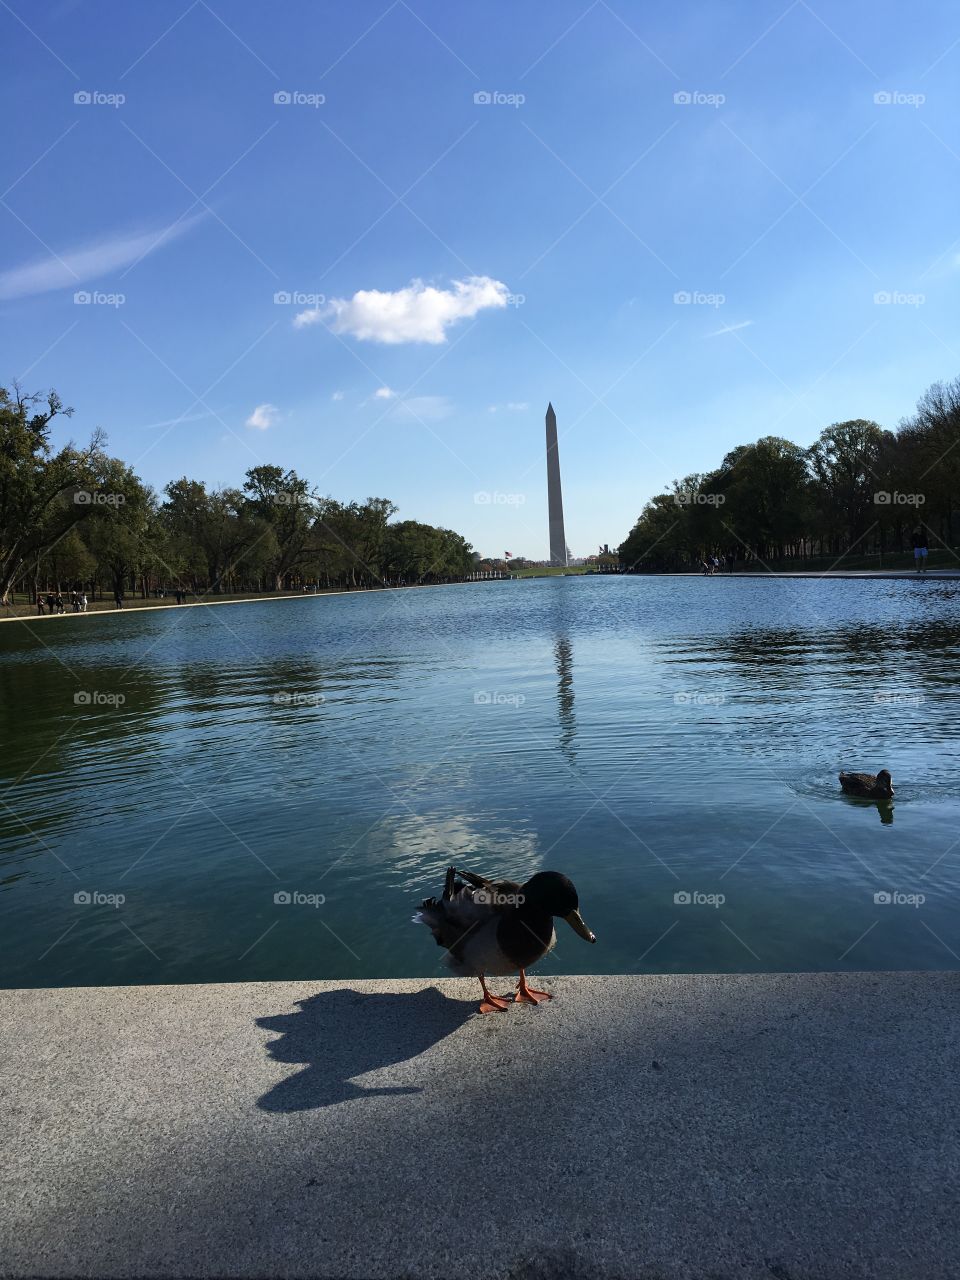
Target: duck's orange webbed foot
491	1003
529	995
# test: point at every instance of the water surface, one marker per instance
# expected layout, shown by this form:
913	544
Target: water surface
672	744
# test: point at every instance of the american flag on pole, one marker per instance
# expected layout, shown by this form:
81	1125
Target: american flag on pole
507	555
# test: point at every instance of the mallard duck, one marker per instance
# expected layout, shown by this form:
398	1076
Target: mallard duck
868	785
493	927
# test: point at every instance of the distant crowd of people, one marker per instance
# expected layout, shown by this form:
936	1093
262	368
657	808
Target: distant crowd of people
53	602
713	564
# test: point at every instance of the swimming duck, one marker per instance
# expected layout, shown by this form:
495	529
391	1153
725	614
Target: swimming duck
492	927
868	785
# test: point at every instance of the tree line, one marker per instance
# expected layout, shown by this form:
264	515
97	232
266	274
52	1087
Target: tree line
858	489
77	518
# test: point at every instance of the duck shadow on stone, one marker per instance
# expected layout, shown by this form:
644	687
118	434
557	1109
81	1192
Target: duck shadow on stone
340	1034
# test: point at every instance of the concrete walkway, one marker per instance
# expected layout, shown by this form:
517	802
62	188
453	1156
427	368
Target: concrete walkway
650	1128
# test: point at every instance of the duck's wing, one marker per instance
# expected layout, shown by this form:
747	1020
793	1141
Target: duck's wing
461	910
467	912
503	893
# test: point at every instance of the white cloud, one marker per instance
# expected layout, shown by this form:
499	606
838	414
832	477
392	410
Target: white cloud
337	395
512	406
384	393
730	328
88	262
175	422
418	313
263	417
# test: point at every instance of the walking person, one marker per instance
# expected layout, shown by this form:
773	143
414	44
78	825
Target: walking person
920	549
118	598
59	603
83	602
40	604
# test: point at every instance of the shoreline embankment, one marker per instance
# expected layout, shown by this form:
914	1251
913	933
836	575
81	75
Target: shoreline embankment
26	613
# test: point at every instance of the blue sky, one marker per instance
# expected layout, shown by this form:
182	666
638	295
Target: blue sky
477	258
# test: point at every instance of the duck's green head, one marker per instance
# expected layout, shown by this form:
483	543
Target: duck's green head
553	892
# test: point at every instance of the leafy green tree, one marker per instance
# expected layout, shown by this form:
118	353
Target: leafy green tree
283	500
39	488
846	466
213	531
119	531
765	489
353	538
660	539
67	563
935	435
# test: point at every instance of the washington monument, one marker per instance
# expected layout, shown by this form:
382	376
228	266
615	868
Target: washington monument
558	541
